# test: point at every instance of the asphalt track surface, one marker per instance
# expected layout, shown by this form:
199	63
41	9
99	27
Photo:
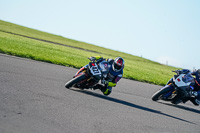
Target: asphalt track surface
33	99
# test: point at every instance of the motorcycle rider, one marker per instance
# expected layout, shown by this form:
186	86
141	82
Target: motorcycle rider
196	91
116	67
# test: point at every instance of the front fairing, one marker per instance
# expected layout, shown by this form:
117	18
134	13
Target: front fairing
170	94
103	67
83	69
188	78
94	71
170	86
183	80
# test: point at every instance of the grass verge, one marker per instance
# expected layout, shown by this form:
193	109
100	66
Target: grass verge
136	68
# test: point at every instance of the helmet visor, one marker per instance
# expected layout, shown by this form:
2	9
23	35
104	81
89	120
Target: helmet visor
117	67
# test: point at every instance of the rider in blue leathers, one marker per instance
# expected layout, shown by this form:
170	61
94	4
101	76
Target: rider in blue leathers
196	91
116	67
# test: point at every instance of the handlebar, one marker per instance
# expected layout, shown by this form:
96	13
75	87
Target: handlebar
184	71
93	59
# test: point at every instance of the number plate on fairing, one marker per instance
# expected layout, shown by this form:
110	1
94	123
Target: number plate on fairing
94	70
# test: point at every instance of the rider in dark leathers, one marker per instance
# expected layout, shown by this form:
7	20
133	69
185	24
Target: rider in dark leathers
116	67
196	91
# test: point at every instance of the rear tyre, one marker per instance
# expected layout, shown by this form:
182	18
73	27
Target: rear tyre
159	93
75	80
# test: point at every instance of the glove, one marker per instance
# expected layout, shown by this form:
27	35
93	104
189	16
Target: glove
104	82
109	84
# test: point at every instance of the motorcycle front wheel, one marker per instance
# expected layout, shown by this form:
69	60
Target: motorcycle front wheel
160	93
75	80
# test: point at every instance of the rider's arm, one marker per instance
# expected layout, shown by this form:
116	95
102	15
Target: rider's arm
196	74
114	83
118	78
197	78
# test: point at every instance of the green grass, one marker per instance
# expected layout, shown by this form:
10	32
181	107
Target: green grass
136	68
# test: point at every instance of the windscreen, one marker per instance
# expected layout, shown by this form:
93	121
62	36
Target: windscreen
188	78
103	66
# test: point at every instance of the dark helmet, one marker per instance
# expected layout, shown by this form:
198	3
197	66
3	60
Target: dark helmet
118	64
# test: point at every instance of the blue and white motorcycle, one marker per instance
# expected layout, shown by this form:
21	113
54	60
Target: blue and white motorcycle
178	89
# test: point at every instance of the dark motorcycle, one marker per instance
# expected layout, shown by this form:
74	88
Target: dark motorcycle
89	75
181	84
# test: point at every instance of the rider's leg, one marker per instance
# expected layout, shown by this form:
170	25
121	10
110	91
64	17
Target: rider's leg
106	90
196	100
178	98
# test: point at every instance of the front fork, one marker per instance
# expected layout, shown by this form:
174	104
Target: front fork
170	81
173	91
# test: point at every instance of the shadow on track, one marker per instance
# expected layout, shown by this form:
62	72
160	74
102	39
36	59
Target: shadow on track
128	104
182	107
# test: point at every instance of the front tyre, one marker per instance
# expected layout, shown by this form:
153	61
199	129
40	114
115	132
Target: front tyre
156	96
75	80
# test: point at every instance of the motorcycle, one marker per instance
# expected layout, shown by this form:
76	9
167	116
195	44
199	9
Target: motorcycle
178	89
89	75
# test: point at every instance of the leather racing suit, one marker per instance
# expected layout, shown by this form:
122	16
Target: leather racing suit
111	80
196	100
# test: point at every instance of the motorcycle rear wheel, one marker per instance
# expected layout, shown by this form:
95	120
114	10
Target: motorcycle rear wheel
159	93
75	80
